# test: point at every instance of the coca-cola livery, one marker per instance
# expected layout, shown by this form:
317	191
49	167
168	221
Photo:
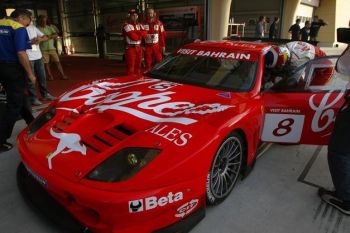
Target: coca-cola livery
147	154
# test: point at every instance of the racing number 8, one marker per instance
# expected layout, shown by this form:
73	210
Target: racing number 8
284	127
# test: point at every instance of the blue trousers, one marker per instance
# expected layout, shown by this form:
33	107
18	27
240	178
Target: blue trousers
339	167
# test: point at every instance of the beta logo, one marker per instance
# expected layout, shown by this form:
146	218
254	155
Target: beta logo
150	203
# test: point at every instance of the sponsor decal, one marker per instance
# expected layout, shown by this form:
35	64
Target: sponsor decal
186	208
285	110
4	32
174	135
323	111
68	142
135	206
150	203
163	86
226	95
97	96
215	54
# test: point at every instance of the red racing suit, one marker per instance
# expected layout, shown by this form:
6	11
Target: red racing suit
133	34
154	42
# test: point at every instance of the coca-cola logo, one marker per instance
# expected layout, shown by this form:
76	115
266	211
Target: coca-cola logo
156	107
324	114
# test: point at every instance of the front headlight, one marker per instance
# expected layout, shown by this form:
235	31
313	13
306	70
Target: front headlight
123	164
41	120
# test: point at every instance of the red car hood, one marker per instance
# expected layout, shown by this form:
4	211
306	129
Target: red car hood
95	120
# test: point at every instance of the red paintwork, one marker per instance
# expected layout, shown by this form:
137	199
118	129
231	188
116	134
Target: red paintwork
103	207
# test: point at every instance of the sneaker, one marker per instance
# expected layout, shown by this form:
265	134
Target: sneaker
6	146
48	97
331	198
36	102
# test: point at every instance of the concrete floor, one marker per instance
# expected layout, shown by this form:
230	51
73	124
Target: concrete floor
278	196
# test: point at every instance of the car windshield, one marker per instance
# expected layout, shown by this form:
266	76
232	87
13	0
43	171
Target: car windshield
222	74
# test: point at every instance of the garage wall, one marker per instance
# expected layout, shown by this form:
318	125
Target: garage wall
327	12
342	15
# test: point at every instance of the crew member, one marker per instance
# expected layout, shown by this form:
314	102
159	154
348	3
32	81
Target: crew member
14	67
133	33
155	39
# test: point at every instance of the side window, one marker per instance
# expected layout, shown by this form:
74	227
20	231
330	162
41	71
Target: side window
322	76
285	79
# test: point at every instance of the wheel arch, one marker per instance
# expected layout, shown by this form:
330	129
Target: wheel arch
246	167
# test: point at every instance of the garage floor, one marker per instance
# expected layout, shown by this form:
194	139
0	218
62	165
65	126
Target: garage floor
279	196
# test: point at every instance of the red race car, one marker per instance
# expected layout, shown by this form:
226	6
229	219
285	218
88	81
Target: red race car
147	154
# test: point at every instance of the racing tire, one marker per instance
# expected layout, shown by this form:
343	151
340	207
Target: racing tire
225	168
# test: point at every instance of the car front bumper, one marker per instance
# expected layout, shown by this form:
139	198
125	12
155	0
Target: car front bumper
78	207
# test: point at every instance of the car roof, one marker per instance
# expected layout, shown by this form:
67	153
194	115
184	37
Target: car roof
231	45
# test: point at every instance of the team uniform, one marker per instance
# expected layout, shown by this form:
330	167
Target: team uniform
13	38
133	34
154	42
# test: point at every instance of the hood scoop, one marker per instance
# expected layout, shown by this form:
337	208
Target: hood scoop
106	139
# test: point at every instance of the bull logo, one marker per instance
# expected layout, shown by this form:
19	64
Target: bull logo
69	142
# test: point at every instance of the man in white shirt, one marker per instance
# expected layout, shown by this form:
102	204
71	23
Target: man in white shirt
37	64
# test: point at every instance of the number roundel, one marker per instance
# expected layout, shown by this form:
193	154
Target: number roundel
284	127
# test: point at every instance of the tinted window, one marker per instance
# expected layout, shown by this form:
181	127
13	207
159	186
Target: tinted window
230	75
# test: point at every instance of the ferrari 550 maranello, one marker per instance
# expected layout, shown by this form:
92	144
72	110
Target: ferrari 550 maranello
149	153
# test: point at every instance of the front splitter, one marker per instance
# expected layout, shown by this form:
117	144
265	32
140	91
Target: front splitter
37	197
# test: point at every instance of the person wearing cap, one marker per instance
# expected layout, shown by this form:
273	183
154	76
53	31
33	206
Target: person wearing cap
155	39
133	33
14	70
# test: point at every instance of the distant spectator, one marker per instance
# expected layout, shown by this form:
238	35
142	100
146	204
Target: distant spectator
37	65
260	27
101	40
273	32
305	31
295	30
48	48
315	27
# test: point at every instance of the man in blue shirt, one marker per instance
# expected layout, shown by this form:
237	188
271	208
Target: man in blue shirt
14	68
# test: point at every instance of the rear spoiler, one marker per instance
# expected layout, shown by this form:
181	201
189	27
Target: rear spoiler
265	40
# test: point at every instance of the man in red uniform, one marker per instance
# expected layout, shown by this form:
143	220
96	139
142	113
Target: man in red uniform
133	33
155	39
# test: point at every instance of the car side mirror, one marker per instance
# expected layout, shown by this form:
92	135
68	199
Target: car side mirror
343	35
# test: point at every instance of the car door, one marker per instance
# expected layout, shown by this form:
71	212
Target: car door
301	108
